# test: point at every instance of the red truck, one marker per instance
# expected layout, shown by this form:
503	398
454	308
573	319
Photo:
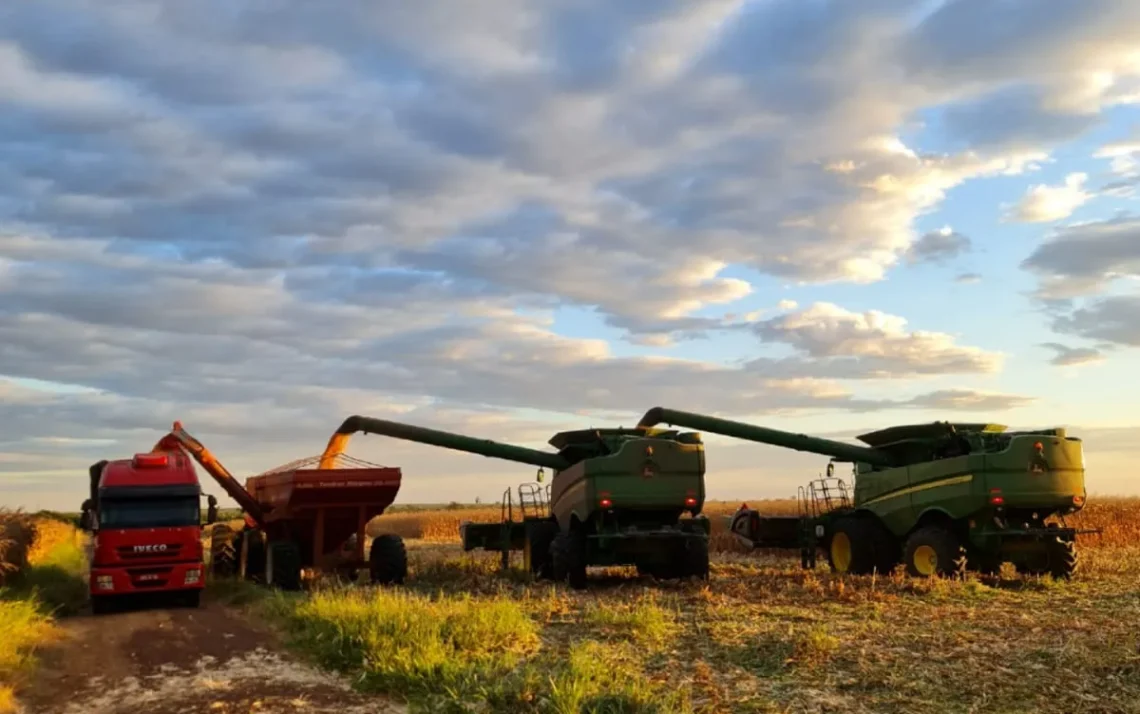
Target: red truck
145	517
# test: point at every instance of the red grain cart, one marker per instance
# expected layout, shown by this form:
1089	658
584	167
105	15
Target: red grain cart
314	518
306	515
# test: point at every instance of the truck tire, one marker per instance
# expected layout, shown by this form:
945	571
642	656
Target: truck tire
851	546
537	559
933	550
251	562
283	565
568	559
388	560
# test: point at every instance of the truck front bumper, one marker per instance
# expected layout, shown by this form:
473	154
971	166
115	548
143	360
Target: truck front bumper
147	578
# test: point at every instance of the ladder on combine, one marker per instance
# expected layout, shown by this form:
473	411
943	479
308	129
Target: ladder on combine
816	500
533	504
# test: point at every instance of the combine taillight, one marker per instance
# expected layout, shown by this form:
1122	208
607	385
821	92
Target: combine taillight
690	501
996	499
605	503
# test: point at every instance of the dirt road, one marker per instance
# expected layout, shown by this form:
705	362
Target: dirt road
183	661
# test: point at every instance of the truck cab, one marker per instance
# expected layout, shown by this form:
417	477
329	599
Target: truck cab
145	514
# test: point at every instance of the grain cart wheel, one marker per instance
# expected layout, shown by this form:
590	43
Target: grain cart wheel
696	559
568	558
537	559
851	547
223	551
933	550
388	559
251	563
283	565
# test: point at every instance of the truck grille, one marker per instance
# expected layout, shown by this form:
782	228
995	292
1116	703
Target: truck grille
158	550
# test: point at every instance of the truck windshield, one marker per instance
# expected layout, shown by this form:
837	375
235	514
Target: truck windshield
149	513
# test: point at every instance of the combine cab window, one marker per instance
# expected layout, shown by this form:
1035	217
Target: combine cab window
149	513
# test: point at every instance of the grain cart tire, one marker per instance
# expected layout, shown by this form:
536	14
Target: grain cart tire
696	559
933	550
851	546
568	558
537	558
223	551
251	555
283	565
388	560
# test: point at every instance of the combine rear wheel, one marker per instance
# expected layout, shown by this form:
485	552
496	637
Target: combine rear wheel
695	559
568	559
933	550
388	560
1059	559
283	565
537	559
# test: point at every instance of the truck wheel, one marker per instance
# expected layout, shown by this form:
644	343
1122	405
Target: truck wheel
851	547
283	565
101	605
568	559
933	551
696	559
388	559
251	563
537	559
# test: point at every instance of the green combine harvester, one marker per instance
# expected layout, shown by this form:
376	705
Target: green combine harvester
941	498
617	497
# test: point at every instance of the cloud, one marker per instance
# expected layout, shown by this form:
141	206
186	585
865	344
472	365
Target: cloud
970	400
263	221
1042	203
1115	320
879	343
1085	258
1065	356
939	246
968	278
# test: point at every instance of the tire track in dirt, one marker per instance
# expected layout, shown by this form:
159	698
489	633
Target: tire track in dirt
183	661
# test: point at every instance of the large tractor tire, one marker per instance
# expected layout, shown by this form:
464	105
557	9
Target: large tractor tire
568	559
388	560
934	550
283	565
1058	559
224	555
858	546
695	559
537	558
251	556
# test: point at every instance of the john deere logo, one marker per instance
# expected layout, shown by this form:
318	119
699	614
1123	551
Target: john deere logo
649	470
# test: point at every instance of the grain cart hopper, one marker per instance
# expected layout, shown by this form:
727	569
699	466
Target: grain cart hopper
939	497
308	514
617	497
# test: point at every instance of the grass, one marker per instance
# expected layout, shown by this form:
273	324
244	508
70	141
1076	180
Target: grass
48	582
762	636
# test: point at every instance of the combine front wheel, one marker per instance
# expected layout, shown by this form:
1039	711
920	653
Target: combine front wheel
568	558
696	559
537	559
388	559
851	547
933	551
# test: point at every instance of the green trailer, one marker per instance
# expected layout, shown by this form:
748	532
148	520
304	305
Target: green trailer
616	497
939	498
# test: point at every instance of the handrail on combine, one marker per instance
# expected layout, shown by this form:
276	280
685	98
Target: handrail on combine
179	438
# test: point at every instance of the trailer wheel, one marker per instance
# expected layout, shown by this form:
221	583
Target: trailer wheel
283	565
933	550
388	559
568	559
851	547
537	559
251	564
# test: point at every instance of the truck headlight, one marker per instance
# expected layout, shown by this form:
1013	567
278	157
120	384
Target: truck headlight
192	576
105	582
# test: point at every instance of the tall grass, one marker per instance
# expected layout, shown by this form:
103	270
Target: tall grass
49	580
16	535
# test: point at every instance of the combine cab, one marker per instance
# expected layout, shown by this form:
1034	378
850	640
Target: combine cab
939	498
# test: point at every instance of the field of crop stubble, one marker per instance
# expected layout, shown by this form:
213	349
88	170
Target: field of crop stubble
761	636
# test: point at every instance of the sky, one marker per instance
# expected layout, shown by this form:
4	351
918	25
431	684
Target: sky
514	218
